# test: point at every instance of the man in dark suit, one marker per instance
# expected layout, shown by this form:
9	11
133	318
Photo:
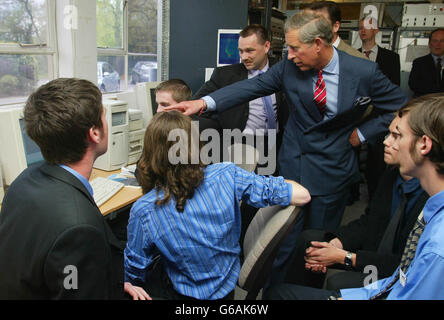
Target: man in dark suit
388	62
54	242
426	75
248	117
377	238
318	141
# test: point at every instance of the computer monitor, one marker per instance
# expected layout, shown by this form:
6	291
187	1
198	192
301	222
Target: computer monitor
146	100
18	151
227	47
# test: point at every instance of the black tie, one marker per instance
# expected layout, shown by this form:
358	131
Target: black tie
438	69
387	241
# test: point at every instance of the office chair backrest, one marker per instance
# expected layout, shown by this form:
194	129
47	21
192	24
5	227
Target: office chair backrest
244	156
263	238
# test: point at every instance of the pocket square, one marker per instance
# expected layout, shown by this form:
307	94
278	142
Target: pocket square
362	101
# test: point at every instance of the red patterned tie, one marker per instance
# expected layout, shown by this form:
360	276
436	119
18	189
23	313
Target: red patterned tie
320	94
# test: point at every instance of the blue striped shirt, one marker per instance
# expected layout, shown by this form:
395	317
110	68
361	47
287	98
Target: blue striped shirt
200	246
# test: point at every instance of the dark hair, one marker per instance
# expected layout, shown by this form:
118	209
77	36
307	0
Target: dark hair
260	32
431	33
180	91
59	115
156	169
332	8
426	117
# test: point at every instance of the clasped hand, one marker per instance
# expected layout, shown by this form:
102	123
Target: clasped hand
322	255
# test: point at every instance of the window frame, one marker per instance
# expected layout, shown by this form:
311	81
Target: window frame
124	52
48	49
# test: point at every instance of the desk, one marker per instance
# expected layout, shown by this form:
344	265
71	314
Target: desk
125	196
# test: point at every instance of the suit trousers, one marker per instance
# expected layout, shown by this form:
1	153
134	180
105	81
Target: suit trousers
323	213
297	274
288	291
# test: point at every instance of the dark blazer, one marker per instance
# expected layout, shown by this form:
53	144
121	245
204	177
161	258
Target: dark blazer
236	118
363	235
389	64
317	152
423	78
49	222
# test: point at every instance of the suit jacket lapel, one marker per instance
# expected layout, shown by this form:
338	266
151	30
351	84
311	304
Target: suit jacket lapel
348	84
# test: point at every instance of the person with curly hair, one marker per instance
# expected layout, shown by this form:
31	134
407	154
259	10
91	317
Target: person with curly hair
189	214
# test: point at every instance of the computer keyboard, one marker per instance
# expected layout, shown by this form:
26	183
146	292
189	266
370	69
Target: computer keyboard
104	188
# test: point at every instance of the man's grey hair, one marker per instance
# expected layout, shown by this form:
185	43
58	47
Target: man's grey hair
310	26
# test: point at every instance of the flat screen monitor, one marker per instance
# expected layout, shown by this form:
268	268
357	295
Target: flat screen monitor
18	151
227	47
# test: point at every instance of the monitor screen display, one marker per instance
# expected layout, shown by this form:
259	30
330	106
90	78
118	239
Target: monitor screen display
228	52
118	118
32	150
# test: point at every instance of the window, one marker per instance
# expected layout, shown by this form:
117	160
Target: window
27	50
127	43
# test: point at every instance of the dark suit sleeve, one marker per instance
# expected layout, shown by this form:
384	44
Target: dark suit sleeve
396	70
77	265
415	79
386	98
246	90
209	86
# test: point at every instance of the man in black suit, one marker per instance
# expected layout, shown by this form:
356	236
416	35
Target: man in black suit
54	242
388	62
376	239
426	75
248	117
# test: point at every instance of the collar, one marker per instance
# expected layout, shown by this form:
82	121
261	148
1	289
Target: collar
436	57
333	66
255	72
373	49
409	186
80	177
433	206
336	43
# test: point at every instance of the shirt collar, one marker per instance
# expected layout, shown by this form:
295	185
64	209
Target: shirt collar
434	205
255	72
333	66
409	186
80	177
336	43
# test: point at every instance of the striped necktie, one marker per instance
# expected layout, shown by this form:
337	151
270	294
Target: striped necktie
407	255
320	94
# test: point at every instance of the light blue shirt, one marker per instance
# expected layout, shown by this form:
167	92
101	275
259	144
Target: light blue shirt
199	246
424	277
82	179
331	78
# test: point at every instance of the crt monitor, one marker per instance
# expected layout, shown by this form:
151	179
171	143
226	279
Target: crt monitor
146	100
227	47
18	151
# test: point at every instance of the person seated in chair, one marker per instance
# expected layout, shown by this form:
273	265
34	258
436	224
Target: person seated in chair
189	214
377	238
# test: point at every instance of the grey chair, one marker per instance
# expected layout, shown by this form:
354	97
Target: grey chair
262	240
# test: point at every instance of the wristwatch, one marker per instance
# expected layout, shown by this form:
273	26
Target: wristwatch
348	260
